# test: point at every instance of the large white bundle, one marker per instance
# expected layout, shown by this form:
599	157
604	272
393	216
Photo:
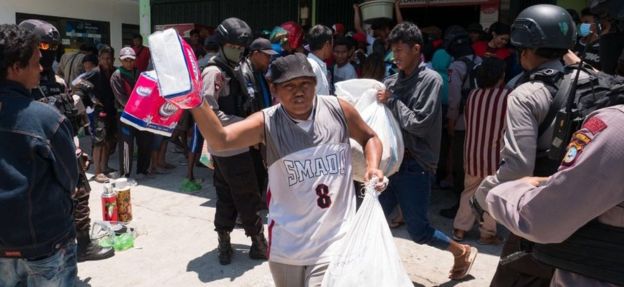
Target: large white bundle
362	94
369	256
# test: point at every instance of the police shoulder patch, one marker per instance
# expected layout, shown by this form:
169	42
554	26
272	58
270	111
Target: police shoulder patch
570	156
594	125
591	128
578	142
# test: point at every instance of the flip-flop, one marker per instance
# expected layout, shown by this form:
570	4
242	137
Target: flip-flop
458	235
396	224
168	166
461	270
490	240
101	178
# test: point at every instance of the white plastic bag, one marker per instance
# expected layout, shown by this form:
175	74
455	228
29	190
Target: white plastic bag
369	256
177	69
362	94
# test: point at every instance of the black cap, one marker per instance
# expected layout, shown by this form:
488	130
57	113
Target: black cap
455	35
90	58
263	45
212	42
291	67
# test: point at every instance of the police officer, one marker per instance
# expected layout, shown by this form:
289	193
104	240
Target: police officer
582	205
542	34
234	173
53	90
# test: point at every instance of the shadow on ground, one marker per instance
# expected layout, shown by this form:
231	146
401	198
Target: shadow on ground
452	283
83	282
208	269
174	177
441	199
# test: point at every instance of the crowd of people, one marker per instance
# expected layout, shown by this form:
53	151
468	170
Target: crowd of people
475	108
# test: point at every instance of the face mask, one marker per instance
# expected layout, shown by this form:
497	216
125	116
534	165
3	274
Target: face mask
47	59
232	54
584	29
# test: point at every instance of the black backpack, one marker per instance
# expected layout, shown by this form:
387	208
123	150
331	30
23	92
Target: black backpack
595	249
470	80
575	99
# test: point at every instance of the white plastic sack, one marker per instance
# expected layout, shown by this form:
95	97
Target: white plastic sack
362	94
369	256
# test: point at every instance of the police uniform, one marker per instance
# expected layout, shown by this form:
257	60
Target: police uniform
588	186
259	98
234	174
527	107
53	90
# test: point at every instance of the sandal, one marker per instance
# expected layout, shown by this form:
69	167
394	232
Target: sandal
101	178
463	263
458	235
490	240
156	171
167	166
396	224
109	170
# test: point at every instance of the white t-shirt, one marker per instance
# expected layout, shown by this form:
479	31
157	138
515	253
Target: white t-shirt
320	70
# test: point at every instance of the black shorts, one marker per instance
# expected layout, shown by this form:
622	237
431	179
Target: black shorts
186	121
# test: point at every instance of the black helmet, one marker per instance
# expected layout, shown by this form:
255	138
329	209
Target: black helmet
455	36
234	31
543	26
46	32
611	8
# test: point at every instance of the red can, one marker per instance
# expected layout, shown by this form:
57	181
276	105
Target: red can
109	206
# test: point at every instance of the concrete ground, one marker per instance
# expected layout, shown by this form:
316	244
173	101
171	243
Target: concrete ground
176	244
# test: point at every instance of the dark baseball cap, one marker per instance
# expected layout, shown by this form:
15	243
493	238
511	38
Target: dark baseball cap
263	45
290	67
475	27
212	42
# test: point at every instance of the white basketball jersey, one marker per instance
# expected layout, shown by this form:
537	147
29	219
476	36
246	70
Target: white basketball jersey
311	196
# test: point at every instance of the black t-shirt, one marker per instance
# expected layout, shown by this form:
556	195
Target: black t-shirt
612	45
592	53
103	89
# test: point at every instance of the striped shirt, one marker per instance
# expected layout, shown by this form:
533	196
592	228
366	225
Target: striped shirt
485	122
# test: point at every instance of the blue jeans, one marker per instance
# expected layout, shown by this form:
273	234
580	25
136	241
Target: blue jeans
58	270
410	188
